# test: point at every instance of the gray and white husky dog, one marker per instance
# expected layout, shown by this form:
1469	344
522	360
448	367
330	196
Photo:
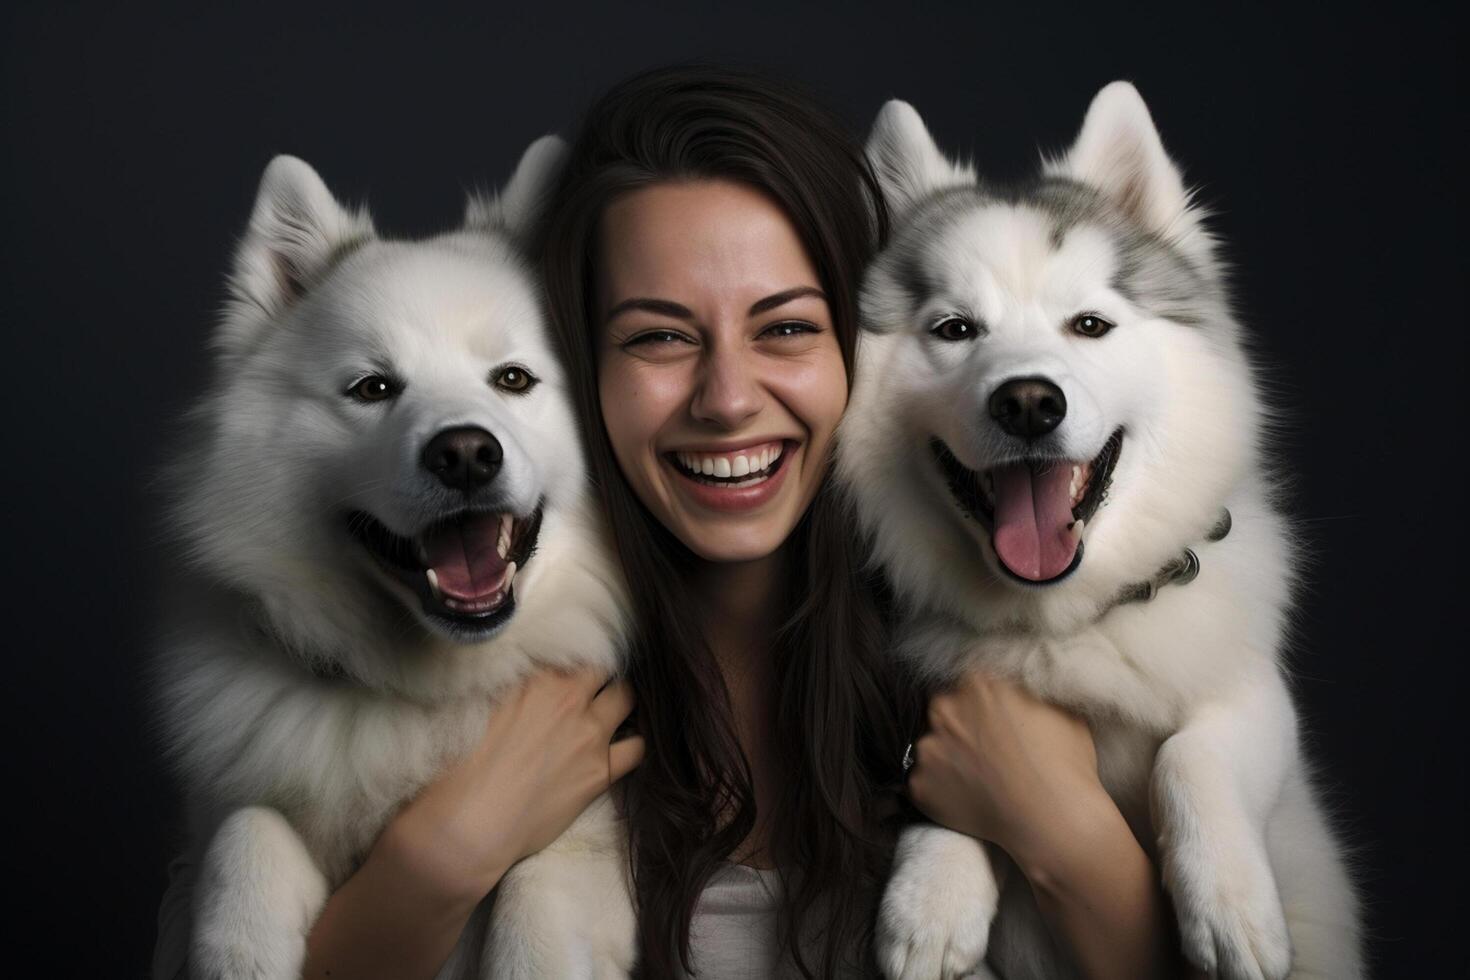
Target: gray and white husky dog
385	522
1056	441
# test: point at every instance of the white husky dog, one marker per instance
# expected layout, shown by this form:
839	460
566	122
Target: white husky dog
1055	441
386	522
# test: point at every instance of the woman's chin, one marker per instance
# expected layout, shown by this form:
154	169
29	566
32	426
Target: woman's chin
725	540
731	553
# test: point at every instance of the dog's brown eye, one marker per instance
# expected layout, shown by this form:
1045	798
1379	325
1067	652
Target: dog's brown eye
1090	325
955	328
514	379
373	388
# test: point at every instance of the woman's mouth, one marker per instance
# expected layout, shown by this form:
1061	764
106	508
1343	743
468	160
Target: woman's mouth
733	479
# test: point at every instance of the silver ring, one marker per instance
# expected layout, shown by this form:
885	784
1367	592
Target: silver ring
908	757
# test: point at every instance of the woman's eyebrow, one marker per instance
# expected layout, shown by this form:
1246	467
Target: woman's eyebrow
784	297
667	307
664	307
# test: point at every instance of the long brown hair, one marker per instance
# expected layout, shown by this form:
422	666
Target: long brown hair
692	802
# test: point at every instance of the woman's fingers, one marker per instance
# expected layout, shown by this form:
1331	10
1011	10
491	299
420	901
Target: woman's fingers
589	680
623	756
613	704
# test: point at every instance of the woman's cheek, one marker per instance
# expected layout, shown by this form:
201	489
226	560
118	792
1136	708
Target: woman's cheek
815	391
631	395
660	391
621	415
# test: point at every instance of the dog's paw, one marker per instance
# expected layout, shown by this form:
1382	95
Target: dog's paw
1230	916
257	895
934	923
561	917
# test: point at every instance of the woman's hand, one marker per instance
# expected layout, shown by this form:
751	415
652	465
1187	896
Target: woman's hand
1002	766
546	753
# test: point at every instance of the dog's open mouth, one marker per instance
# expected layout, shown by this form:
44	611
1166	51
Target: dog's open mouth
462	567
1036	510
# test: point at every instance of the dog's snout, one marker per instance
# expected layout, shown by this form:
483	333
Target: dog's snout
1028	407
464	458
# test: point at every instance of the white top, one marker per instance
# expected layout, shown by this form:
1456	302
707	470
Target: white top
732	935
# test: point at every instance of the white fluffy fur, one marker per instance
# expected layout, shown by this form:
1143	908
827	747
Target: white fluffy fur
290	778
1196	732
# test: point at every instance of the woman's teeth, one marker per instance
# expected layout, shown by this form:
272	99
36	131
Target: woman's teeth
747	462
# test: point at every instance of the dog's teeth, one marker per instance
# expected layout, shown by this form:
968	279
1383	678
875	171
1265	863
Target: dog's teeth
510	574
502	544
434	584
1076	527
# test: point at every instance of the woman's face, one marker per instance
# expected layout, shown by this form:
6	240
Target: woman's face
721	380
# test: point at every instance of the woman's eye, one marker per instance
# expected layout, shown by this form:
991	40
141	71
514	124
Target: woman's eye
1090	325
788	328
514	379
655	337
955	328
373	388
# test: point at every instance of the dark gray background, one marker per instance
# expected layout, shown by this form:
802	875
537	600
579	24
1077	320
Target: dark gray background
133	142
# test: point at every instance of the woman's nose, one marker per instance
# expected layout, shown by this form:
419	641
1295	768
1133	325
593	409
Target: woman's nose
727	392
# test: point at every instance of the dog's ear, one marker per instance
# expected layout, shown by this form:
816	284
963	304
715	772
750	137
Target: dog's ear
519	206
1119	152
296	230
906	160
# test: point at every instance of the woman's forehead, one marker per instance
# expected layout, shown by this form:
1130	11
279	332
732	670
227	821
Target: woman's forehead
699	241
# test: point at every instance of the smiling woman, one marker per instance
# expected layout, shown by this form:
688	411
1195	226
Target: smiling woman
701	264
720	410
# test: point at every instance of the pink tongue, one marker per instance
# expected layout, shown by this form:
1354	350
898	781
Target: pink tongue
464	558
1032	511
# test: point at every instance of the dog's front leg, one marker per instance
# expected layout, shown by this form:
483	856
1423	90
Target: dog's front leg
1214	784
259	892
937	907
567	912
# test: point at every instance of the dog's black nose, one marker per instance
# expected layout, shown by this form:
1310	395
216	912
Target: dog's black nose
465	458
1028	407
